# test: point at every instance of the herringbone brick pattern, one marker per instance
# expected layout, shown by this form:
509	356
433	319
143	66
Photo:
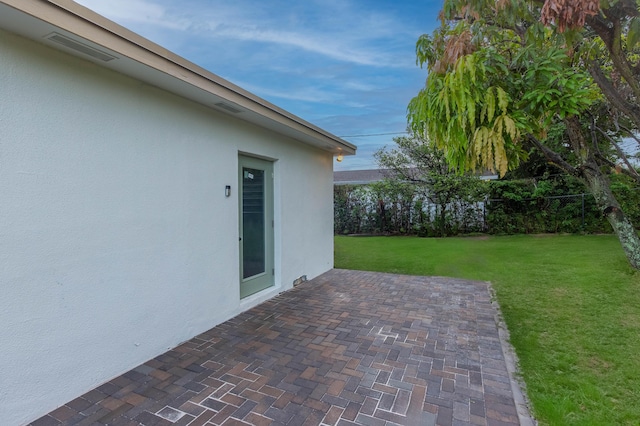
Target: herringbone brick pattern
347	348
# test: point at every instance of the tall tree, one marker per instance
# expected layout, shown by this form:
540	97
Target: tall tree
498	77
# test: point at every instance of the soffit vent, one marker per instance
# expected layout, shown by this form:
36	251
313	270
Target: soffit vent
228	107
72	44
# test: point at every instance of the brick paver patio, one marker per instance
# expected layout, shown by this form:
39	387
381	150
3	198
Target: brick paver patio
346	348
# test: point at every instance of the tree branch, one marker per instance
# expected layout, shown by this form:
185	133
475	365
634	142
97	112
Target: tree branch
594	138
613	165
553	156
631	134
631	171
610	31
613	95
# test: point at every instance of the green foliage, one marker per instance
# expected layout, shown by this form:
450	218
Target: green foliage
551	87
384	207
393	202
454	197
467	116
425	197
555	205
483	98
570	303
633	35
396	207
627	192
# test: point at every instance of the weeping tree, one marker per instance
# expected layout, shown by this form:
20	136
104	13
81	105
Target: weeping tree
502	73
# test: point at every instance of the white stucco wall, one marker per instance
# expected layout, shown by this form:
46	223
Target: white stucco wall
116	240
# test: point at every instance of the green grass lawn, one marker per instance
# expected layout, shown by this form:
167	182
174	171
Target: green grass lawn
572	305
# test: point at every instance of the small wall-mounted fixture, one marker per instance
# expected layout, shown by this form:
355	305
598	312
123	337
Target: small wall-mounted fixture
299	280
339	158
227	191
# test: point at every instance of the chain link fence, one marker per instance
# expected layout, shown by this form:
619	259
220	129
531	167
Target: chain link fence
563	213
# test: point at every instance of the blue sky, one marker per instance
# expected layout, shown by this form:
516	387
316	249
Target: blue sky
347	66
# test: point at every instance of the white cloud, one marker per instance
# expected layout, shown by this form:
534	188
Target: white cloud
334	30
328	47
306	94
360	86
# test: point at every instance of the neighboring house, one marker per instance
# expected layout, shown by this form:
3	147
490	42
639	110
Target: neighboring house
143	200
364	177
358	177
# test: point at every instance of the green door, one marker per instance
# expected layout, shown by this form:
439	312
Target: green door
256	225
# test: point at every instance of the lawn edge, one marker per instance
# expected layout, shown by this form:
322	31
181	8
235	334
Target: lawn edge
518	386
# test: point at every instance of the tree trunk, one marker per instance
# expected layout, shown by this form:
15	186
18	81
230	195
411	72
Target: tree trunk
443	221
600	187
382	216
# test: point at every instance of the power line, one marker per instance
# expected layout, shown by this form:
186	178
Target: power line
373	134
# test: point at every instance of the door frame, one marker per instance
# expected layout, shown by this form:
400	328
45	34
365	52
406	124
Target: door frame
264	280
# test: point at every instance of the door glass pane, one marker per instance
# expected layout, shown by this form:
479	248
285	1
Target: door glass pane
253	231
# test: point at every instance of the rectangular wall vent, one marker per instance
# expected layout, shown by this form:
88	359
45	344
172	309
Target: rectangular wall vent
228	107
80	47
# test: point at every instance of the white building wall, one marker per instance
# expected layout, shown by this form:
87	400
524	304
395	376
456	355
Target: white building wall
116	240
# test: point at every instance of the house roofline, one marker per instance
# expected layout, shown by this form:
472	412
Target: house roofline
149	62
